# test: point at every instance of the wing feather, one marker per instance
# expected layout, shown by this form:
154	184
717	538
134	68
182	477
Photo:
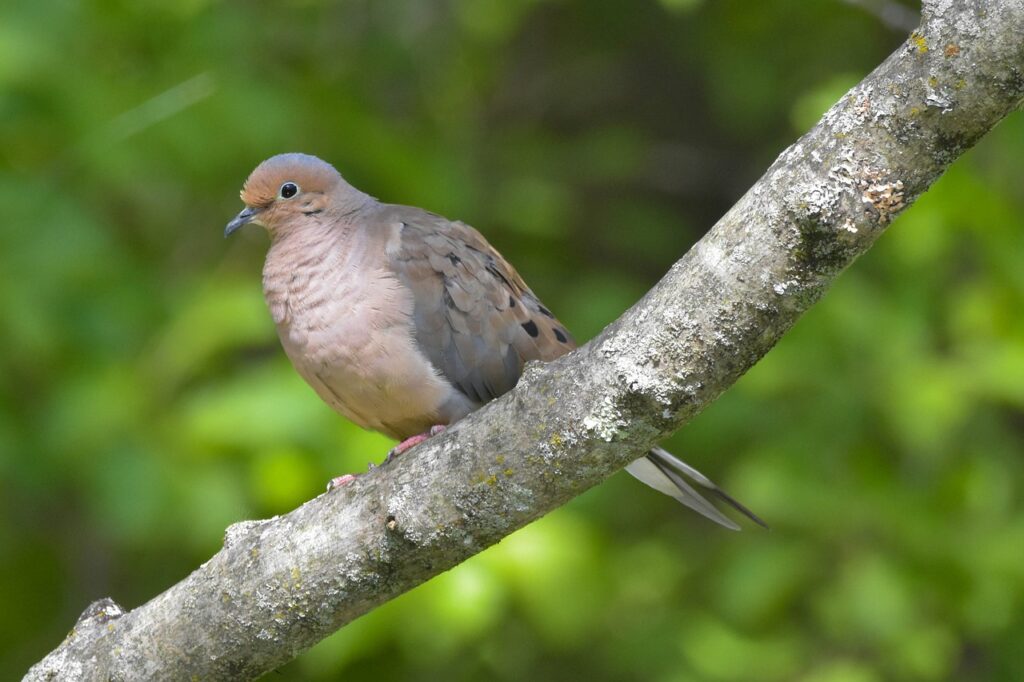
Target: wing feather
476	320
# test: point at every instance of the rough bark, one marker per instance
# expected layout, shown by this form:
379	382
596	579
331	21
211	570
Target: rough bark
279	586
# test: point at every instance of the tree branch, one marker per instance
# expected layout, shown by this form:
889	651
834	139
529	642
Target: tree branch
279	586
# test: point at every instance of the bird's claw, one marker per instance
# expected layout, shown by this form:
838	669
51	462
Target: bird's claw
413	441
340	481
347	479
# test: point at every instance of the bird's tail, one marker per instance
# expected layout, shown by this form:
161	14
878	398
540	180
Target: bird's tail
668	474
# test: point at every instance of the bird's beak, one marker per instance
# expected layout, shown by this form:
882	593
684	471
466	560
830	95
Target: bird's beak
244	218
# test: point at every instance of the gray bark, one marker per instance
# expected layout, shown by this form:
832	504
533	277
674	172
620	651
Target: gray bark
279	586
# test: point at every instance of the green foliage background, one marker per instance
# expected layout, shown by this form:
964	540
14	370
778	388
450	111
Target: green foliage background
145	404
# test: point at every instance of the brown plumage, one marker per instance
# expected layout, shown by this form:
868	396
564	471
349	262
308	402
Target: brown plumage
401	319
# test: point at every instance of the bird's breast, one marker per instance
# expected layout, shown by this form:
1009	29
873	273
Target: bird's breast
347	329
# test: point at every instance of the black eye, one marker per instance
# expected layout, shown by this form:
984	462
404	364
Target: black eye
288	190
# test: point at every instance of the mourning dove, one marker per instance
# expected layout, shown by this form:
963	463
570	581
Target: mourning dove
404	321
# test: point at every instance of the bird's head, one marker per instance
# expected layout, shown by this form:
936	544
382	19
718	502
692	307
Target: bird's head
289	190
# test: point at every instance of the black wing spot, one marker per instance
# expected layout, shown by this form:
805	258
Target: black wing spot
544	311
511	302
560	335
454	259
531	328
449	302
493	269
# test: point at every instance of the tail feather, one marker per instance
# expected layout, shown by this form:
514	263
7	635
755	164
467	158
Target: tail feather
665	472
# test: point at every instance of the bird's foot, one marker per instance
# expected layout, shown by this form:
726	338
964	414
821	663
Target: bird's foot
348	479
413	441
340	481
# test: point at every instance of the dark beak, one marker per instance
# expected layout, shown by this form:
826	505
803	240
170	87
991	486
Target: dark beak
243	218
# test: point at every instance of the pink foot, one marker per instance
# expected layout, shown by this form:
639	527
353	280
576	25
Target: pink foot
340	481
413	441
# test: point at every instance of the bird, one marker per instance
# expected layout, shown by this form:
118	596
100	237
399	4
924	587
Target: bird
405	322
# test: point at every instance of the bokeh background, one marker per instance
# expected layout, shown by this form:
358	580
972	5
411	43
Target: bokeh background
145	404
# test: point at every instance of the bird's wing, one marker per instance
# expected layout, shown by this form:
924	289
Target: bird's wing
475	319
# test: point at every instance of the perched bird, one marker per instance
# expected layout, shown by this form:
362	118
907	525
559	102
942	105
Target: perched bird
404	321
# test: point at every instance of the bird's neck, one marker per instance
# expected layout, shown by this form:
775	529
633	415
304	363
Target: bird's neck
313	258
346	200
316	233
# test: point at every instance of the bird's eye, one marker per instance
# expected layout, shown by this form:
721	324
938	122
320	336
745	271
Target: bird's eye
288	190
